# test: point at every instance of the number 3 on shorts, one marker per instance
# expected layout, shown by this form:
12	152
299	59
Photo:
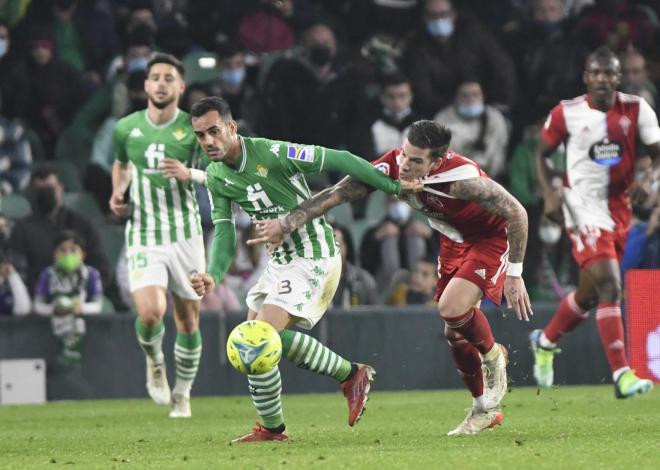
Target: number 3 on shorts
284	287
138	261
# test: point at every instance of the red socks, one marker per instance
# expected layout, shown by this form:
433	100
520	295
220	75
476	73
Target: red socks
610	327
468	362
474	327
567	317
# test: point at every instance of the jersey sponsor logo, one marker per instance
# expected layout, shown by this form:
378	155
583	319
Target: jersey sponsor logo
624	122
384	168
481	273
179	134
275	148
262	171
606	152
302	153
136	132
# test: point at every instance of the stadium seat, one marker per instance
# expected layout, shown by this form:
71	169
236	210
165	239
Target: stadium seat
15	206
69	174
107	306
195	72
376	207
341	215
83	203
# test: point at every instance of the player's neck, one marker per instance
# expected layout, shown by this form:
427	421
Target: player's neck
161	116
234	155
603	104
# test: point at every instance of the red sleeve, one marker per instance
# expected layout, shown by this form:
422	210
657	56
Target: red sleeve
387	164
554	130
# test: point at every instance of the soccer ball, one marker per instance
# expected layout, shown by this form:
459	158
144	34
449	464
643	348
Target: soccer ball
254	347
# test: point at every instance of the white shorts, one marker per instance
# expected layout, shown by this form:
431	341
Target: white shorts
304	288
169	266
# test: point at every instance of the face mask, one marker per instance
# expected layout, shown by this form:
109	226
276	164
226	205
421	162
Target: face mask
398	116
320	55
471	110
138	63
69	262
399	212
43	200
232	77
242	220
442	27
4	45
549	233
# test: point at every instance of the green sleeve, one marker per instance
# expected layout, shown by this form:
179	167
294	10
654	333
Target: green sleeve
119	139
223	249
220	205
360	169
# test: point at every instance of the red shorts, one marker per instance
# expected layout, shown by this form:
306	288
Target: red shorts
594	244
483	263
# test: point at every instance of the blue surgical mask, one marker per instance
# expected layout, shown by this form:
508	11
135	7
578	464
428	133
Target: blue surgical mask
4	46
442	27
232	77
471	110
399	212
138	63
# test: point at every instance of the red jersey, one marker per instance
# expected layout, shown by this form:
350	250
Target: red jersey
458	220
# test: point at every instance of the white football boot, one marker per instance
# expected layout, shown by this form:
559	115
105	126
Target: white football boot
157	386
180	406
495	379
476	421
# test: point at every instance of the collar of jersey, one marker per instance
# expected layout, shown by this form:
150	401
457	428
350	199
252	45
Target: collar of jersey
241	167
160	126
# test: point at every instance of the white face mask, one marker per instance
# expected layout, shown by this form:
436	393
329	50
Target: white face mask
549	233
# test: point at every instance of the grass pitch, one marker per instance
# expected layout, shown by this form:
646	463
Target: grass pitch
568	427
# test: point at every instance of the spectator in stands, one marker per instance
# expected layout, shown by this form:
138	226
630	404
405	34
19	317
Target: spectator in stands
356	285
269	28
6	57
417	287
14	296
396	243
68	289
449	47
193	94
32	239
634	77
479	131
548	58
386	128
45	92
313	96
15	156
233	86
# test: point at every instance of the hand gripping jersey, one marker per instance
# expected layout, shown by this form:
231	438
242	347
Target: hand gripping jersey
600	157
165	210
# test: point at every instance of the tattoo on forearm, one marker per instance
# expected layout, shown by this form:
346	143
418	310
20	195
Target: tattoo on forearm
496	200
346	190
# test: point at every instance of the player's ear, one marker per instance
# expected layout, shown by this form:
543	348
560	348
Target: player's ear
233	127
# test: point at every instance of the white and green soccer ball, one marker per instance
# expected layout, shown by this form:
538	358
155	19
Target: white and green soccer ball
254	347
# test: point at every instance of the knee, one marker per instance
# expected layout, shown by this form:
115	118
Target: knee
150	317
449	308
453	337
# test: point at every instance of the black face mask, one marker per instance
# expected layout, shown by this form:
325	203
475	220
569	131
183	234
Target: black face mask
43	200
320	55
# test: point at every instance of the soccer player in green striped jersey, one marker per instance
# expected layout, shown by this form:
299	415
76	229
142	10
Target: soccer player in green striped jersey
266	179
155	149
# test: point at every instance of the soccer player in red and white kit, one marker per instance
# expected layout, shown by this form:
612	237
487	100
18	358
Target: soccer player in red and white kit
601	131
484	233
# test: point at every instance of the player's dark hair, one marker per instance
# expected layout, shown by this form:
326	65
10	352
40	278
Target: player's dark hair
430	135
161	58
69	235
212	103
602	54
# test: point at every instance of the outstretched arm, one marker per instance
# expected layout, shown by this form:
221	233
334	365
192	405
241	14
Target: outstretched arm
495	199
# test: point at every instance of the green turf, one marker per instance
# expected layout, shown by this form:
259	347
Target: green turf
569	427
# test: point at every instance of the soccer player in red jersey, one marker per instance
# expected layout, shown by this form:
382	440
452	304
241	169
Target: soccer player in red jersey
484	233
601	131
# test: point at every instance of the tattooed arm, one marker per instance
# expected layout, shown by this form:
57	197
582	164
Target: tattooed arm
496	200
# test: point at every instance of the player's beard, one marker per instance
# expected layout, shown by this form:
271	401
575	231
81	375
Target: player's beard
163	104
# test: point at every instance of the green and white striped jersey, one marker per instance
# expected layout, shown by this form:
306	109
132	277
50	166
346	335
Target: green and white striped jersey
164	210
267	183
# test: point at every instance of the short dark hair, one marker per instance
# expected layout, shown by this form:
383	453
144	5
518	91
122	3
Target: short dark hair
211	103
603	53
393	79
161	58
43	171
229	48
69	235
430	135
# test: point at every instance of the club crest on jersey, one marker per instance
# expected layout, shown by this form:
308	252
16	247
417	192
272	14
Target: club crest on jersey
179	133
261	171
384	168
299	152
606	152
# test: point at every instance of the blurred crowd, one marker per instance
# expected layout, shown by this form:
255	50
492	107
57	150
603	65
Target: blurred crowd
346	74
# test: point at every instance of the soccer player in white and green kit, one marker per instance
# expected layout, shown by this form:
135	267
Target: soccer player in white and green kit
155	149
266	178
